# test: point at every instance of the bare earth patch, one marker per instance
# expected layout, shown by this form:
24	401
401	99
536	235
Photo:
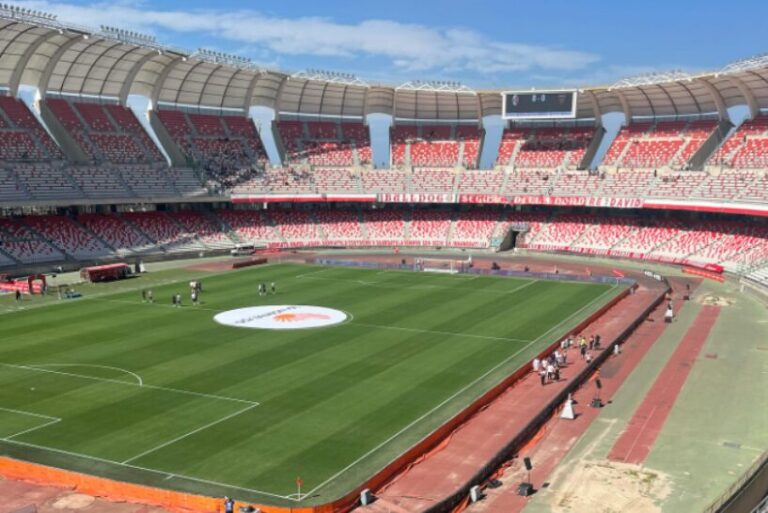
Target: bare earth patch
711	299
74	501
609	487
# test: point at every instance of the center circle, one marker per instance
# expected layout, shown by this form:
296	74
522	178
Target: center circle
281	317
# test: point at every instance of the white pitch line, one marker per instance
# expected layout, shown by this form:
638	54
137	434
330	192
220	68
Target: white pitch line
41	426
459	392
145	469
43	365
51	421
417	286
127	383
447	333
186	435
29	413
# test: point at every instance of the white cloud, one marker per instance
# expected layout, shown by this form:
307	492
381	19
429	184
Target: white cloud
407	47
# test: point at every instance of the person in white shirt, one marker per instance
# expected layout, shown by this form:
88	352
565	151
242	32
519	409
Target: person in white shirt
536	365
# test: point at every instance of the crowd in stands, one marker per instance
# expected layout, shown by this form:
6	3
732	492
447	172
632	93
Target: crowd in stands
226	148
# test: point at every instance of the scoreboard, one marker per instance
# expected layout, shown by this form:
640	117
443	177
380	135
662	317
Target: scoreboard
539	104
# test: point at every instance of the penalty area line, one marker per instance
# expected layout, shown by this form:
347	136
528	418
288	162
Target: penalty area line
187	435
51	421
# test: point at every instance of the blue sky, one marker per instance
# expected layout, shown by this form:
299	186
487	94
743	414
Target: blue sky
482	44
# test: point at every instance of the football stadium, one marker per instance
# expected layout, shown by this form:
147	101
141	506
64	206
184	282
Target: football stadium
230	287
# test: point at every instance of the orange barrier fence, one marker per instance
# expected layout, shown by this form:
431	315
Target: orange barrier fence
703	274
177	502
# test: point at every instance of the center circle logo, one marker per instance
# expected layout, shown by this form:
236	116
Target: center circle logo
281	317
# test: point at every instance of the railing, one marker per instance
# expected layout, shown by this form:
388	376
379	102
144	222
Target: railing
739	486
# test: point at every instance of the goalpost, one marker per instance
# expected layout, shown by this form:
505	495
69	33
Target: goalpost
443	265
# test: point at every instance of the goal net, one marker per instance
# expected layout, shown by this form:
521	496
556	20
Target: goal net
442	265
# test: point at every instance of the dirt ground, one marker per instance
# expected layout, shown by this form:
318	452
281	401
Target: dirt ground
609	487
16	495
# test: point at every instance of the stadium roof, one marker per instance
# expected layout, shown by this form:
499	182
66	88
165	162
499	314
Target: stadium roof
37	50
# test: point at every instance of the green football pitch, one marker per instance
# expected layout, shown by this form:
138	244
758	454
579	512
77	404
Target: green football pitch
166	396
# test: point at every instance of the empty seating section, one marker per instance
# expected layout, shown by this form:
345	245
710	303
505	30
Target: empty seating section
650	154
435	147
118	234
10	187
69	236
384	226
544	147
295	225
645	238
210	232
474	226
737	238
756	190
433	180
481	182
665	143
469	137
561	232
747	147
511	140
21	136
163	231
529	182
340	225
96	129
207	125
605	233
325	143
46	181
24	244
576	183
429	227
336	180
400	135
249	225
375	181
360	135
634	183
147	181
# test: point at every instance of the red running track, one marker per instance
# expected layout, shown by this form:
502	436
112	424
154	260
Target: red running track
635	443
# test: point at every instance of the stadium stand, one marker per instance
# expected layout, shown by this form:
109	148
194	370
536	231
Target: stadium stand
325	143
118	234
105	133
22	137
163	231
747	147
69	236
440	146
643	145
543	147
227	148
249	226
